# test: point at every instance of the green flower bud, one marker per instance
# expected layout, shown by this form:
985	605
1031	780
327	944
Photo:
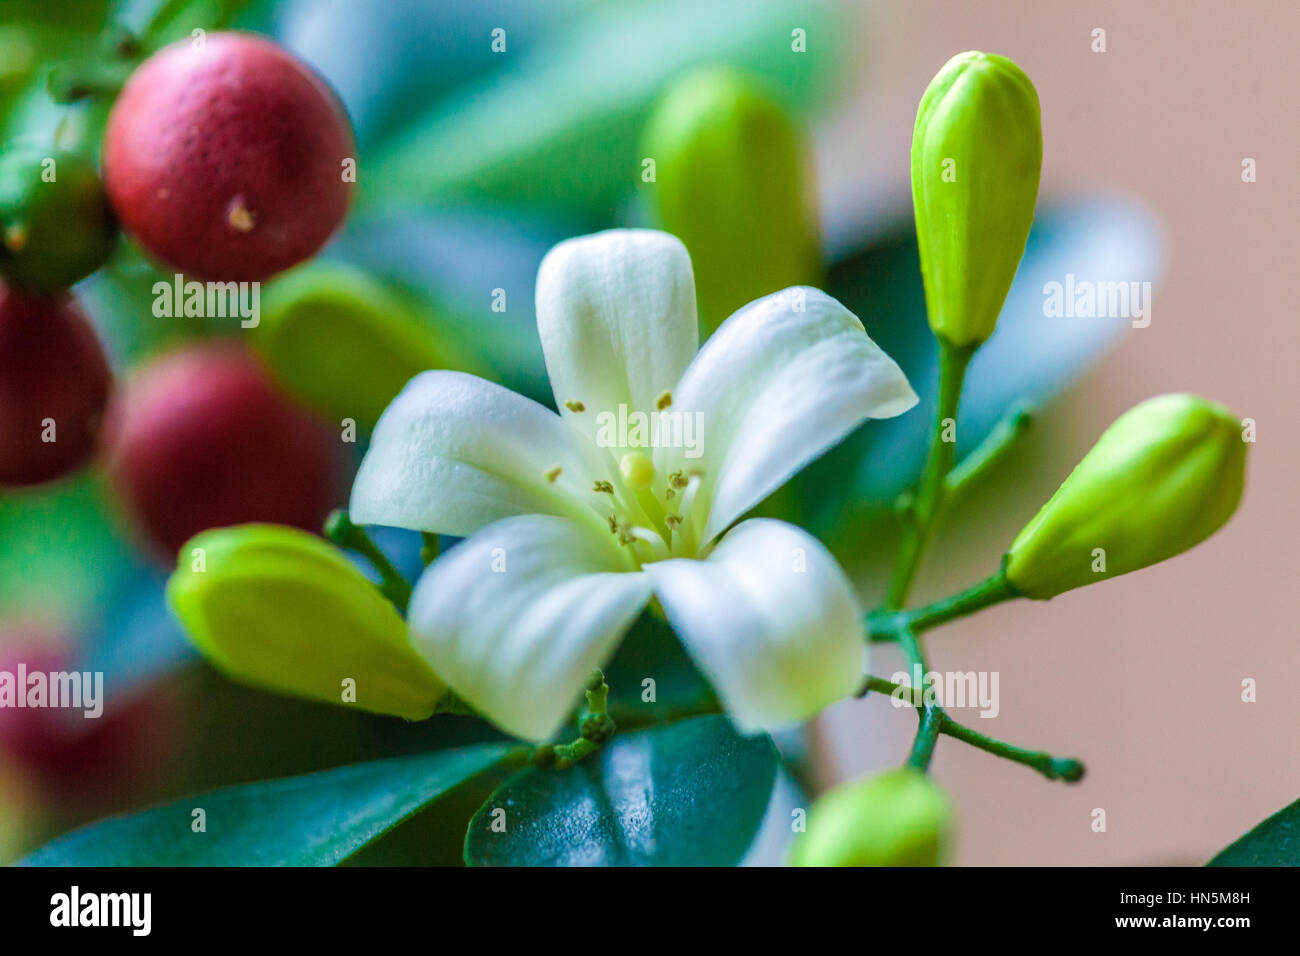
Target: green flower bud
343	343
1165	476
977	151
281	609
56	226
732	180
896	818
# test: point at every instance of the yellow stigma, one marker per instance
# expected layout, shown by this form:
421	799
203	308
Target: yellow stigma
638	470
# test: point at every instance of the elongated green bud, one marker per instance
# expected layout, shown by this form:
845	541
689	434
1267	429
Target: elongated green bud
1165	476
281	609
728	172
977	151
896	818
342	342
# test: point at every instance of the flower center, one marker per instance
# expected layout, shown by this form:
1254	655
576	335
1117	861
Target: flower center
647	511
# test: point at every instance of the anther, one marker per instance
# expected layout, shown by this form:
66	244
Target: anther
663	401
575	406
553	474
604	487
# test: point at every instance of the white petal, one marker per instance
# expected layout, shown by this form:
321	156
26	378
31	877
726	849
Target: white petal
616	314
515	618
454	452
780	381
771	619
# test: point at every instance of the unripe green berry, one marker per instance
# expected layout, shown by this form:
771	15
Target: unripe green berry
896	818
1166	475
977	152
56	226
732	181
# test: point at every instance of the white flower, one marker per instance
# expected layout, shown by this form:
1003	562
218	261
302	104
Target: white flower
575	523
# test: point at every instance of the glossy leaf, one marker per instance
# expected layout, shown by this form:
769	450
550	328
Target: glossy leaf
1275	842
689	794
314	820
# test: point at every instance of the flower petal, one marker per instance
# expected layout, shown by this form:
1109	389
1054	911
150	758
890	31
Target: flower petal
454	452
518	616
782	380
616	314
771	619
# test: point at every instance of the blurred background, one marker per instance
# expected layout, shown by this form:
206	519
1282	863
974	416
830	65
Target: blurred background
474	161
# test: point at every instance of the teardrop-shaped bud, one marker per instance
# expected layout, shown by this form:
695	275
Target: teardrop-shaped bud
343	343
1165	476
977	152
732	180
283	610
896	818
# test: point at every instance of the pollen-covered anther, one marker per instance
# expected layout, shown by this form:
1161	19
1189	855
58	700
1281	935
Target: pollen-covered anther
575	406
663	401
638	470
677	480
553	474
673	521
602	486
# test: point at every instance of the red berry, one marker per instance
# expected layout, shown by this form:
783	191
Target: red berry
203	439
65	751
54	385
226	159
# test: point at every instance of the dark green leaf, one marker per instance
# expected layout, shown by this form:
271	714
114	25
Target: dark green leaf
1275	842
690	794
314	820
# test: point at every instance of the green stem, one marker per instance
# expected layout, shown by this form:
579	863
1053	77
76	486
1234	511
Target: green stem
885	625
927	735
1053	768
928	499
935	721
340	529
595	729
996	443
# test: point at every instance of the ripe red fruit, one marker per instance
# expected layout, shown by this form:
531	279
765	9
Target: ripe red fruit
54	385
226	159
202	438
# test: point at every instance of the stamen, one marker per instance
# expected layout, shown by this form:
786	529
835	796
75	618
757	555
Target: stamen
663	401
646	536
575	406
602	486
638	470
677	480
553	474
688	497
